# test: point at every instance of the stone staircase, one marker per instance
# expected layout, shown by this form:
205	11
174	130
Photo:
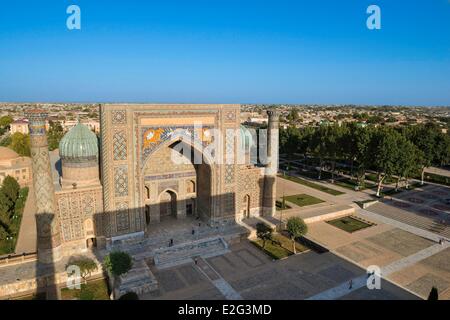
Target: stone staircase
145	248
185	252
139	280
416	219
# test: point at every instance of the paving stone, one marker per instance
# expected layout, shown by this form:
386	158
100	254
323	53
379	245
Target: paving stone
337	273
440	260
401	242
191	275
249	258
255	279
424	284
169	280
222	264
351	253
210	294
281	291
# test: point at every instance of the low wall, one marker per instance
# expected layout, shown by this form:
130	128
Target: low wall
12	259
38	284
330	216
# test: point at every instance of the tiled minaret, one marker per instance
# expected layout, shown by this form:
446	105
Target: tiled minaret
271	169
47	222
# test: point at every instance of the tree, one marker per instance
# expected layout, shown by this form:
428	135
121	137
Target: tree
5	121
5	209
434	295
334	141
318	146
363	136
424	138
6	141
118	263
20	143
296	228
86	265
55	134
289	140
3	232
263	232
408	160
292	116
442	149
11	188
384	153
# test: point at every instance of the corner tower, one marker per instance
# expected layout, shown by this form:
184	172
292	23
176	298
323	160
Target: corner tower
47	222
271	169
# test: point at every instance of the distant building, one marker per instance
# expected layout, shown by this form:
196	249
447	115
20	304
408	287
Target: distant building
91	124
11	164
19	126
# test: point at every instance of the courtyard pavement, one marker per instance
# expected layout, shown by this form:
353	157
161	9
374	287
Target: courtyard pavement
408	256
427	208
252	275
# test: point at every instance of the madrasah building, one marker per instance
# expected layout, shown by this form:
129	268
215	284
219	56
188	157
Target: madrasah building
124	185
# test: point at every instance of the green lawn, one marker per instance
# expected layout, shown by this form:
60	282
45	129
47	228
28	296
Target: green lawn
313	185
350	224
280	248
303	200
93	290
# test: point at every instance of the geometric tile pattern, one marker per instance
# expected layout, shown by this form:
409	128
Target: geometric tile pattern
121	181
120	145
119	117
229	153
230	116
229	173
122	217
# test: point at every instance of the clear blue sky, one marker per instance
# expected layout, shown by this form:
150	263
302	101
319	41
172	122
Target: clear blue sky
226	51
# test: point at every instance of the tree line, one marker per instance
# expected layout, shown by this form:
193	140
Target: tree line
400	152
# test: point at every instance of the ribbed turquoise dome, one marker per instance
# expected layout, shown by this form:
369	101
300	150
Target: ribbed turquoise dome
80	143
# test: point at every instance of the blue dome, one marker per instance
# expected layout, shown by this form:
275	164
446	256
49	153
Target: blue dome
80	143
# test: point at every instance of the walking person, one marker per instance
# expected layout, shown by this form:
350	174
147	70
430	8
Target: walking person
350	284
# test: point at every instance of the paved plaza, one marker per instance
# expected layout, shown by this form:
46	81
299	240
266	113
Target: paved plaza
414	261
252	275
427	208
